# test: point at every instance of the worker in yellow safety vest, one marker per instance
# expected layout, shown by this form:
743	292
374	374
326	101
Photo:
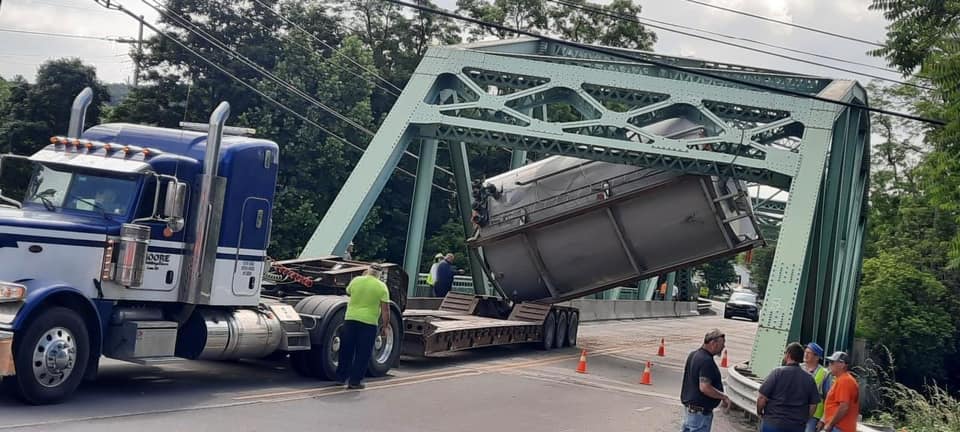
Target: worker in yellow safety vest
432	276
821	375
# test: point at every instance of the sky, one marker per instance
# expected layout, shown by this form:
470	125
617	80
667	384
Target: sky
20	54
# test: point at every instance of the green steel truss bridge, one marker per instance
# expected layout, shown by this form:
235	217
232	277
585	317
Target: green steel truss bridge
500	93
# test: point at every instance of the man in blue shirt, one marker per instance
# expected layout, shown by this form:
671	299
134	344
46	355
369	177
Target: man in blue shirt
789	396
445	273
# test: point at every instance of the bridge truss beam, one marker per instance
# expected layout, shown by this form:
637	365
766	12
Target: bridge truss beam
544	98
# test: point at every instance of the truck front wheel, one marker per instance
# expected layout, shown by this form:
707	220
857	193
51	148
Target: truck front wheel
50	354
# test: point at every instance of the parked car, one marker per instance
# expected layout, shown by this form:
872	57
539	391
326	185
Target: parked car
742	304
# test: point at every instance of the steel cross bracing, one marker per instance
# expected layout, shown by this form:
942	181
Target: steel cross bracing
496	94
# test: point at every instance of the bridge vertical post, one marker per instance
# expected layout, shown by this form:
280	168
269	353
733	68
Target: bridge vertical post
461	172
419	210
782	311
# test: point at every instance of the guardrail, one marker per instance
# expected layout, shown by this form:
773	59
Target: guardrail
743	388
704	306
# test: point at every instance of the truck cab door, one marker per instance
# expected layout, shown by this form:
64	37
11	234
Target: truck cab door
251	248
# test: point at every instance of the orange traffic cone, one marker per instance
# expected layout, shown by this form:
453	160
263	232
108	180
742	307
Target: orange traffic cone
582	367
663	348
723	360
645	378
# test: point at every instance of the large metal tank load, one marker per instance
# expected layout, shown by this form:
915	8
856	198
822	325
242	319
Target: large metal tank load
563	228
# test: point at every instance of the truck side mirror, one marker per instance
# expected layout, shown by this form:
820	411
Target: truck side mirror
174	204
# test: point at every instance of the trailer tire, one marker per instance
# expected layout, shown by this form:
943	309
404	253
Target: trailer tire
386	351
51	353
561	339
573	326
549	331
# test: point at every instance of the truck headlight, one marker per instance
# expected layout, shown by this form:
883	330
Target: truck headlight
11	292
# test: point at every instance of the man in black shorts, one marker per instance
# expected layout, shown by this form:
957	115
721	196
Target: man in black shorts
702	389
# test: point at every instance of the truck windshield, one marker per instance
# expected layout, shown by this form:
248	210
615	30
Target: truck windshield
59	188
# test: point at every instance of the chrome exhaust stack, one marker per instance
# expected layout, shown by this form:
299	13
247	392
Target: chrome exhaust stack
78	113
209	205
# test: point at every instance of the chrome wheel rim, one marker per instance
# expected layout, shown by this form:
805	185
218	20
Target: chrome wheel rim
383	345
54	357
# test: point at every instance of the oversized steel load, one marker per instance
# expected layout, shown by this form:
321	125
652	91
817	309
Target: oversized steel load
563	228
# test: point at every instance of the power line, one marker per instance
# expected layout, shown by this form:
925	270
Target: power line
837	59
786	23
259	69
332	49
217	43
703	73
596	11
117	7
63	35
311	49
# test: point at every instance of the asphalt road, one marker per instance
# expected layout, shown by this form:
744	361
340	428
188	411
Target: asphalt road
497	389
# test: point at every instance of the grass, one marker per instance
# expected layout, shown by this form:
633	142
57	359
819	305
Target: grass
933	409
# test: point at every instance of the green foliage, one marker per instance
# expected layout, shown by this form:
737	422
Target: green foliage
908	311
4	91
932	409
569	23
915	203
31	113
763	259
449	239
717	274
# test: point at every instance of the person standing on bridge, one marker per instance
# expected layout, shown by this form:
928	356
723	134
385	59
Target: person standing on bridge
432	276
842	407
811	363
444	280
788	396
369	304
702	389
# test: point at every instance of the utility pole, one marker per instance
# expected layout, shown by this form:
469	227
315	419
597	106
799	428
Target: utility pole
139	42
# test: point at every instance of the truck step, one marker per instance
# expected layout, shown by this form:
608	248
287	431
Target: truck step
296	341
153	361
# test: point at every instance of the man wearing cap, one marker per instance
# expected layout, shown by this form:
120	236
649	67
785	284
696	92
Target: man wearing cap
702	389
811	363
788	396
842	407
445	272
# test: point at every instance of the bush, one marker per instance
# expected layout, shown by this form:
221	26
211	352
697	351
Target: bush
901	407
906	310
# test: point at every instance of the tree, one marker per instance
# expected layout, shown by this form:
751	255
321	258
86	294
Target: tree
906	310
33	113
574	23
4	91
919	217
762	260
717	274
517	14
